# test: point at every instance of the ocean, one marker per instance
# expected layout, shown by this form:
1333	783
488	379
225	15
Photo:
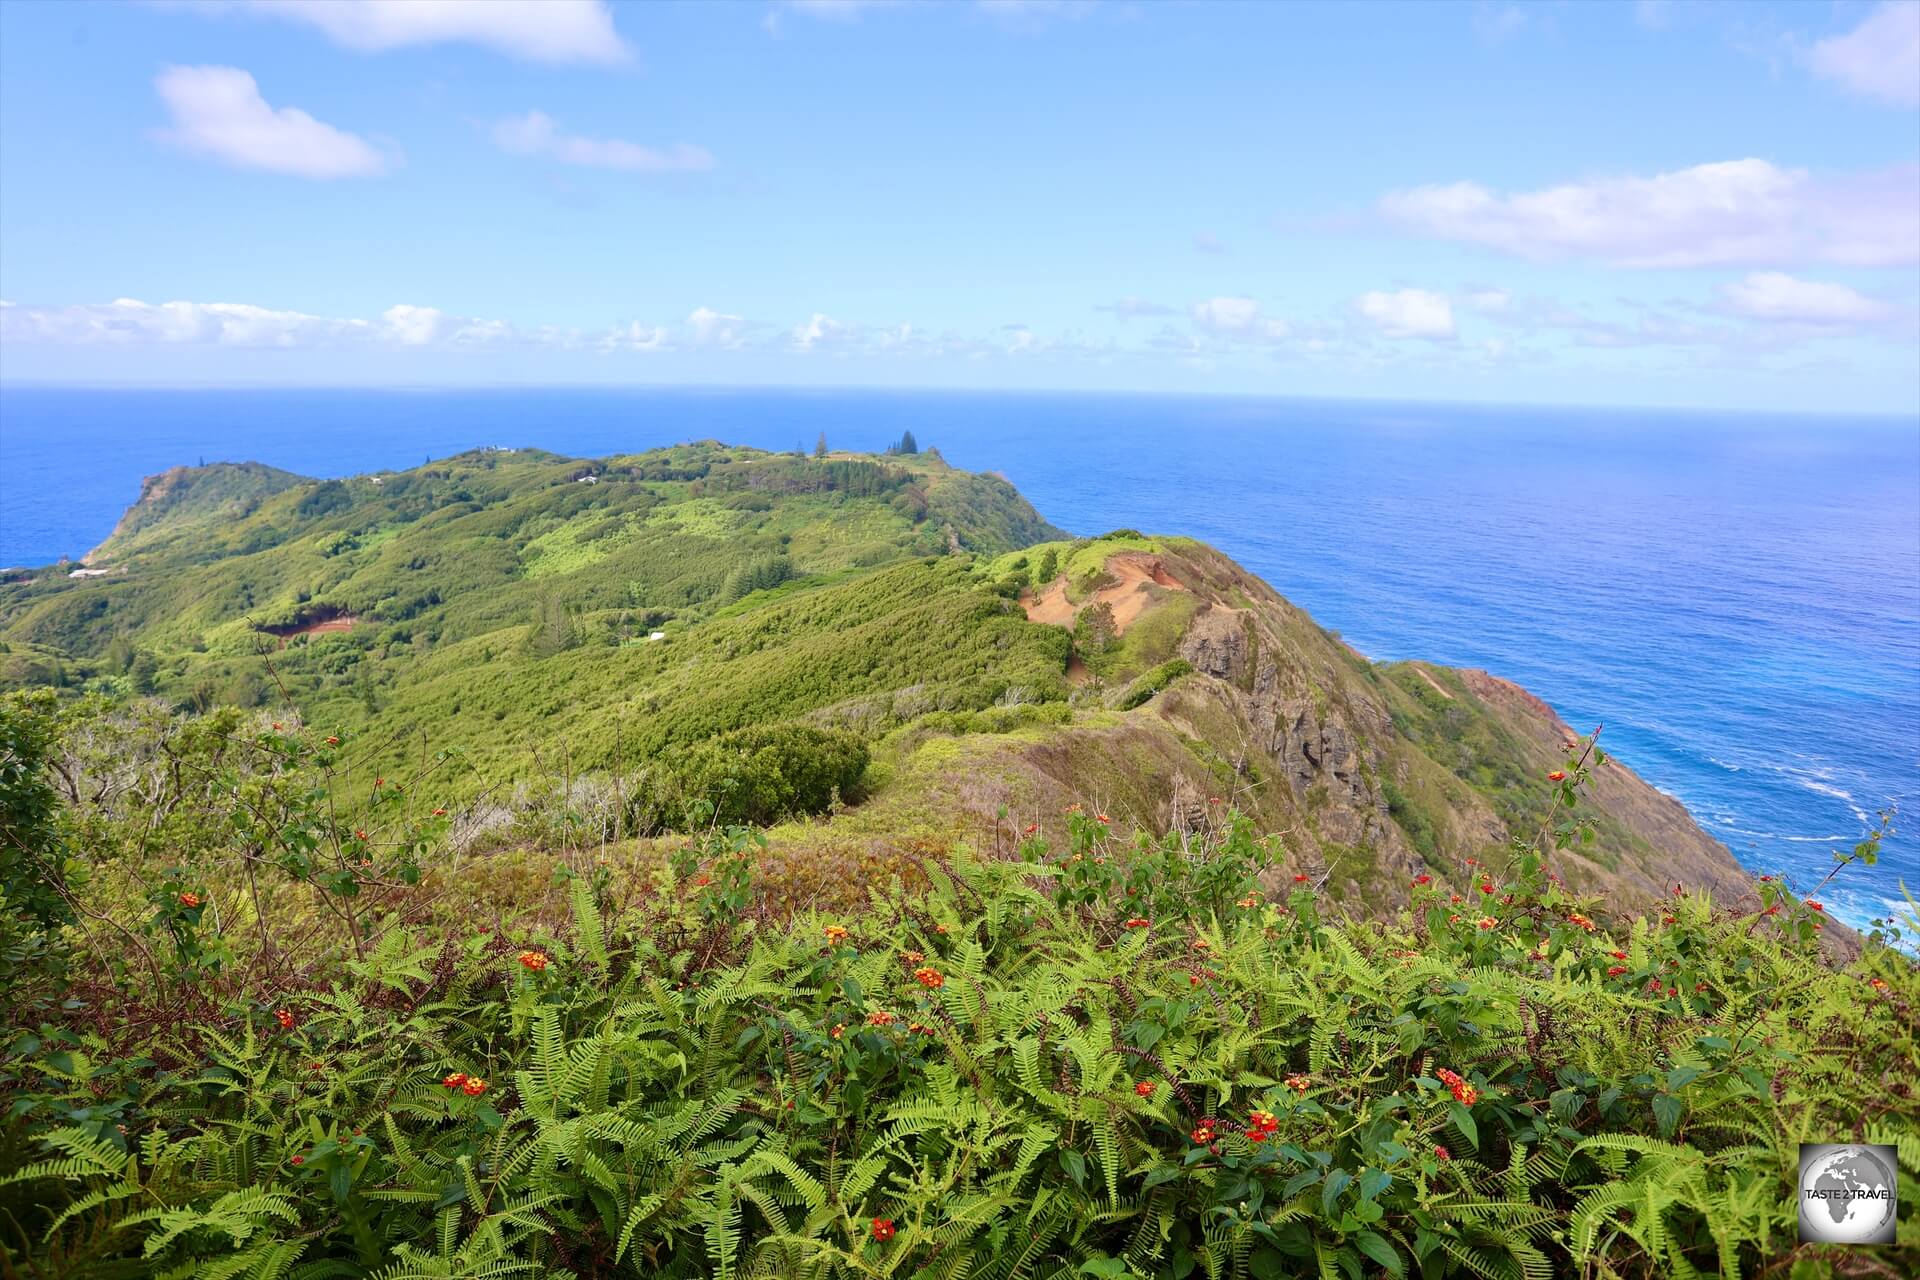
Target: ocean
1735	596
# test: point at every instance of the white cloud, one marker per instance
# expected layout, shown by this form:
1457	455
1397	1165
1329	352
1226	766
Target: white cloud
1774	295
130	321
819	331
536	134
1238	318
536	30
1880	58
1409	313
712	328
414	326
219	111
634	336
1734	212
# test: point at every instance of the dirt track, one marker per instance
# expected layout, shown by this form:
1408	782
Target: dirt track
1128	596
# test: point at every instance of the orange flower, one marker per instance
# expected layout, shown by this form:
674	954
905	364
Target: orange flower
1201	944
474	1087
1139	922
1102	819
455	1080
379	783
1193	979
881	1018
836	934
332	741
839	1029
1297	1082
1145	1087
912	957
190	899
439	813
1203	1132
1031	827
929	977
276	726
1814	906
358	834
533	961
940	929
1250	901
1618	955
1575	918
1878	984
285	1018
1558	775
1488	922
1261	1125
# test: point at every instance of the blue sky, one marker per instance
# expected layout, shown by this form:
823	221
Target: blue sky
1712	205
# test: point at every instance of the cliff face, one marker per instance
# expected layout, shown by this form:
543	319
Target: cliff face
1374	773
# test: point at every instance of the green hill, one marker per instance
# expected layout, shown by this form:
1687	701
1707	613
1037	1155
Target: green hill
604	618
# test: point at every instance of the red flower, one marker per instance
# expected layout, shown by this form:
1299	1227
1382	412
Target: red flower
1454	898
1486	886
1878	984
1558	775
332	741
298	1160
1193	979
474	1087
1575	918
1443	1153
930	978
439	813
1669	919
1616	970
1699	986
1261	1125
1203	1132
1214	800
1144	1088
1102	819
881	1018
839	1029
1031	828
1654	985
190	900
1423	879
285	1018
882	1229
1139	922
1297	1082
702	881
1465	1094
359	834
1766	879
533	961
1300	879
1814	906
379	783
1488	922
1618	955
912	957
455	1080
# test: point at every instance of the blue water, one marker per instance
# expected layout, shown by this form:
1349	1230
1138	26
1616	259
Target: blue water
1737	597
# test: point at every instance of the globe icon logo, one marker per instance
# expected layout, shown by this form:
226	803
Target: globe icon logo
1848	1193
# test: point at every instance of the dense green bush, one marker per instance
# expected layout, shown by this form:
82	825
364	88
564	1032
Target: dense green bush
758	775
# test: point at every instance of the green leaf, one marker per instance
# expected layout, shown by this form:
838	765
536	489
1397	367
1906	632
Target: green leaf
1667	1110
1337	1181
1375	1246
1463	1121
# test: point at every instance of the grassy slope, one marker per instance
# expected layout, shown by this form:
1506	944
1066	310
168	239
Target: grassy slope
504	604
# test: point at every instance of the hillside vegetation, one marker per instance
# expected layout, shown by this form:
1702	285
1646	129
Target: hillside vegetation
717	863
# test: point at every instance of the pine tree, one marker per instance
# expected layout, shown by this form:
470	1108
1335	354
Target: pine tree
820	446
